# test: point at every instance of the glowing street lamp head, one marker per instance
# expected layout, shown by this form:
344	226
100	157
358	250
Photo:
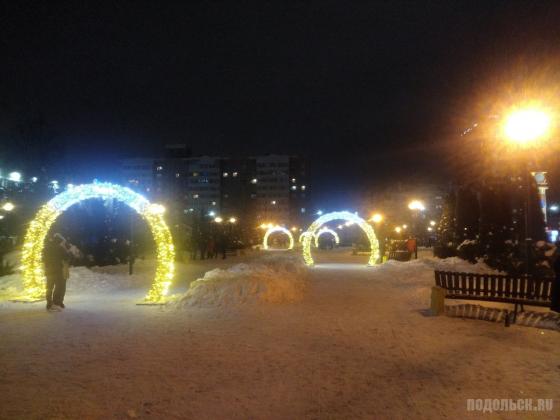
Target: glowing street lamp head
377	218
232	220
218	219
14	176
432	222
524	126
8	206
416	205
398	229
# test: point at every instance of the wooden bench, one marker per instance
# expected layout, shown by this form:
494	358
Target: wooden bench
518	290
399	255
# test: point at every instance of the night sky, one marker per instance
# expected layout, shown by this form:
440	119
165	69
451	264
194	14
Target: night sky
366	91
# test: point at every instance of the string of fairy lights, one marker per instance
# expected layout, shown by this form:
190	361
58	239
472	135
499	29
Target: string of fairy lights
32	263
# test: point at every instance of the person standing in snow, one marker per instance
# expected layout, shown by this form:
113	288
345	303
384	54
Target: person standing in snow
56	259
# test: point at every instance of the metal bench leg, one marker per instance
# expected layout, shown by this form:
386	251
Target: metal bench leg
506	321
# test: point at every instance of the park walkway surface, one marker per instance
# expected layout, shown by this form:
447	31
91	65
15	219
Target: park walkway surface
358	346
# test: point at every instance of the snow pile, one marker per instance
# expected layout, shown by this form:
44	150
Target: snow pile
111	277
277	279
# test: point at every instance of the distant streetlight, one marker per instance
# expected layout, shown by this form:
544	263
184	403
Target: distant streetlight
319	212
1	216
524	126
377	218
14	176
218	219
232	220
398	229
416	205
432	222
405	226
8	206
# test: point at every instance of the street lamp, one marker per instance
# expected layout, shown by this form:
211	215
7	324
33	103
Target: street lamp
377	218
8	206
14	176
416	205
526	125
232	220
218	219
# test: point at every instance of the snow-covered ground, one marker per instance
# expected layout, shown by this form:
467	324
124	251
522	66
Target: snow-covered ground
266	339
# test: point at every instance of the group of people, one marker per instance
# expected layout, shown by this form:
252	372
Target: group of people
208	246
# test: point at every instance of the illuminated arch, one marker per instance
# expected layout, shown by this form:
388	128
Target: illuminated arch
326	230
32	264
340	215
274	229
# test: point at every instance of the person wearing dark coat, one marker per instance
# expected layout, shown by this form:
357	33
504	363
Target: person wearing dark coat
55	257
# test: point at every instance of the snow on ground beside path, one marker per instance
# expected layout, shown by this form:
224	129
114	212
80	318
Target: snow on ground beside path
275	279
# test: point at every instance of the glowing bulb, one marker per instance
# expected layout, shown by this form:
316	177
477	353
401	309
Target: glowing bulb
232	220
8	206
416	205
377	218
526	125
432	223
218	219
398	229
14	176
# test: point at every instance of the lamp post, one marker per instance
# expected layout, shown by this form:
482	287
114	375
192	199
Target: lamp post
522	129
416	206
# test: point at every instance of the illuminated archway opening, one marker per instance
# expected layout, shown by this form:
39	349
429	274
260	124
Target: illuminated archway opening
275	229
348	217
32	253
324	230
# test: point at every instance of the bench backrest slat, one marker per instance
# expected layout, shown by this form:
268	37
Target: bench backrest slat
495	285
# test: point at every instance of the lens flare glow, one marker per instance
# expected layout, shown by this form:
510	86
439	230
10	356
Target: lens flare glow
326	230
274	229
32	253
350	218
525	125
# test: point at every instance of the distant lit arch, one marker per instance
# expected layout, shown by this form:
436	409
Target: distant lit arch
348	217
32	253
275	229
324	230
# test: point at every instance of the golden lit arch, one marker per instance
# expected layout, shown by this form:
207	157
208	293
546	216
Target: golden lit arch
324	230
275	229
32	253
348	217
